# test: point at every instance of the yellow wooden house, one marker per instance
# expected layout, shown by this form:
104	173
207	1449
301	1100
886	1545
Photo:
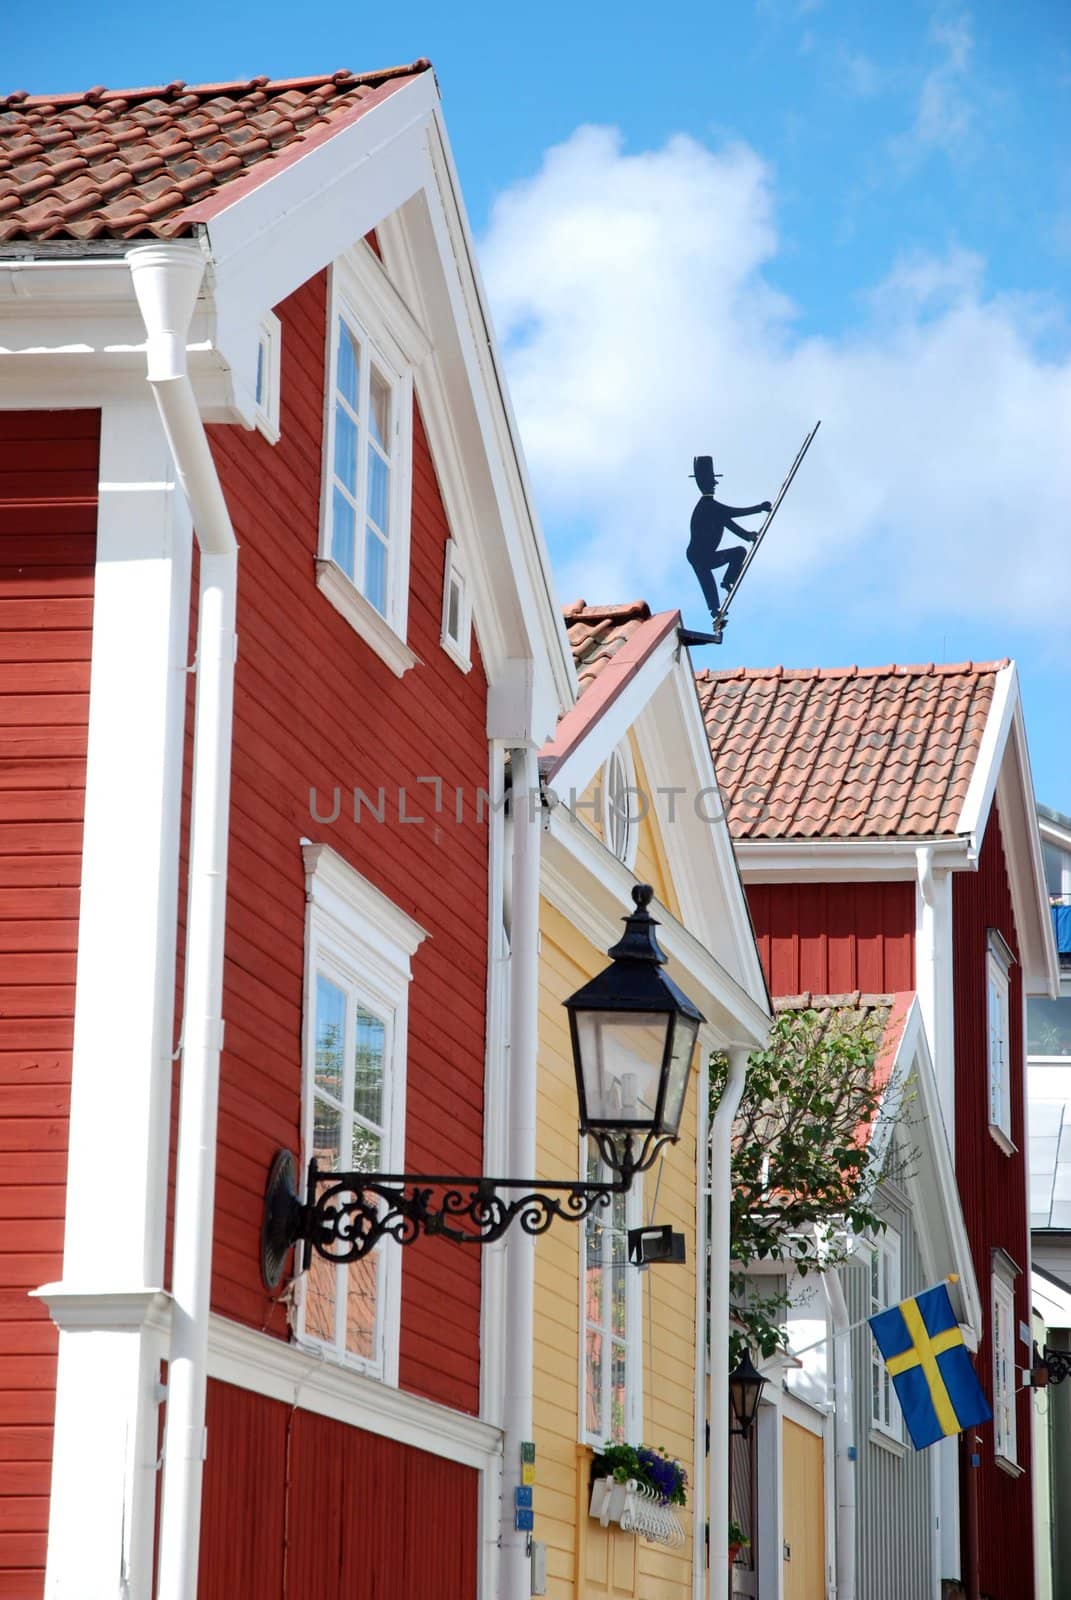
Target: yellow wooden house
619	1350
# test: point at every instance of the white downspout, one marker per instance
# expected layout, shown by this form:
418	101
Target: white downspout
166	282
702	1189
721	1189
515	1576
845	1435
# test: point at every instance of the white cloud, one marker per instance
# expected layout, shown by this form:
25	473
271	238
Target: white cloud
944	115
640	329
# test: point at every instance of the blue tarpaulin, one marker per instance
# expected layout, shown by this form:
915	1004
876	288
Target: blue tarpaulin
1061	922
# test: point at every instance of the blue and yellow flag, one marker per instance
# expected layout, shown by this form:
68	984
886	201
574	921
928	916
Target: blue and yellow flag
935	1382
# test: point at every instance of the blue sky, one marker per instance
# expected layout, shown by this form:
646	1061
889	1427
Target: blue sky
703	227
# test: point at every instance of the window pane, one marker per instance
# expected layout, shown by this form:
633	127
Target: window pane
593	1384
348	373
342	532
379	411
378	490
453	612
375	571
361	1288
365	1150
368	1066
618	1371
320	1283
260	372
330	1035
619	1288
593	1276
345	449
326	1134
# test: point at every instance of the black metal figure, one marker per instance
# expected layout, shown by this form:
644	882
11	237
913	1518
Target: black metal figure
710	520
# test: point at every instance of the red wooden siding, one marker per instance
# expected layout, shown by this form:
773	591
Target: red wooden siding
48	522
832	938
992	1188
328	1512
315	707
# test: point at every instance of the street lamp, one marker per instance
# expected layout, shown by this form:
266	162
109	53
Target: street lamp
633	1037
746	1384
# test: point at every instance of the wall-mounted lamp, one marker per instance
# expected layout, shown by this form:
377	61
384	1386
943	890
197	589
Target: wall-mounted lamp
633	1036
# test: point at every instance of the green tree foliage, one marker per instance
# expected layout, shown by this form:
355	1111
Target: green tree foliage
801	1179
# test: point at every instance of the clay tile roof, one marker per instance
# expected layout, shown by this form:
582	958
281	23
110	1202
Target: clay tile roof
597	633
130	163
610	643
846	752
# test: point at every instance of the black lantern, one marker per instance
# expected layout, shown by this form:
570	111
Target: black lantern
634	1036
746	1384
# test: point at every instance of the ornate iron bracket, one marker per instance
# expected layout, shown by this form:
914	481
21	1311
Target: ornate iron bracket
346	1214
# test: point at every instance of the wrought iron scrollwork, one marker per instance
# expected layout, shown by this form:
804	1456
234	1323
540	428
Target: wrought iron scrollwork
346	1214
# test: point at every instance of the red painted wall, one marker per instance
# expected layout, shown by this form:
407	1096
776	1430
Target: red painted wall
833	938
48	522
328	1512
993	1191
314	706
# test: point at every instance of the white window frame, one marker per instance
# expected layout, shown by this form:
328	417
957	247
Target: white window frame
633	1321
266	377
999	961
361	295
362	942
1005	1443
886	1251
458	646
623	845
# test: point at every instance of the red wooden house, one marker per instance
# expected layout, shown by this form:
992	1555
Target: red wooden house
274	612
884	824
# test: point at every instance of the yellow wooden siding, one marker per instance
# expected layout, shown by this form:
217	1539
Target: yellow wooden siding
651	864
804	1513
584	1559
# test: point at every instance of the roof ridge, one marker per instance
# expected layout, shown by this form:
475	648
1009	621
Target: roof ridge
920	669
21	99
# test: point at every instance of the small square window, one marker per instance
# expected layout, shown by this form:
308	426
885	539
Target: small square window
266	381
456	636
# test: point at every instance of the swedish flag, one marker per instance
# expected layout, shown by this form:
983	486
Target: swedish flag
935	1383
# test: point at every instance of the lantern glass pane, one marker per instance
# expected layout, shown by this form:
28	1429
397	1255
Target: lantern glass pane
621	1060
680	1065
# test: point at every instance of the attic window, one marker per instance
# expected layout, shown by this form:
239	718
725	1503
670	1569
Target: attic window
619	804
266	383
456	635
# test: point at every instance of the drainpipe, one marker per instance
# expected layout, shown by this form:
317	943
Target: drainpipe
721	1189
702	1189
845	1435
166	282
515	1576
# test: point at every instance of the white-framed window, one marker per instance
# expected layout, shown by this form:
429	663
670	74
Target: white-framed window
620	810
611	1321
1003	1314
885	1291
363	567
357	973
456	635
266	379
999	959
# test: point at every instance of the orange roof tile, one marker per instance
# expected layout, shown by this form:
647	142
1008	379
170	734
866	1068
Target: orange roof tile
846	753
133	163
609	644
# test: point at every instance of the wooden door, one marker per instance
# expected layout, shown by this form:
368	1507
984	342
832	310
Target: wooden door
804	1514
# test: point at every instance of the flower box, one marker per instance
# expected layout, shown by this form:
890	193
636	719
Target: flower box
635	1509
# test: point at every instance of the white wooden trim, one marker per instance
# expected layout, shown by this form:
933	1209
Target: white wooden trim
983	782
832	860
460	649
608	731
338	888
363	617
281	1371
266	408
